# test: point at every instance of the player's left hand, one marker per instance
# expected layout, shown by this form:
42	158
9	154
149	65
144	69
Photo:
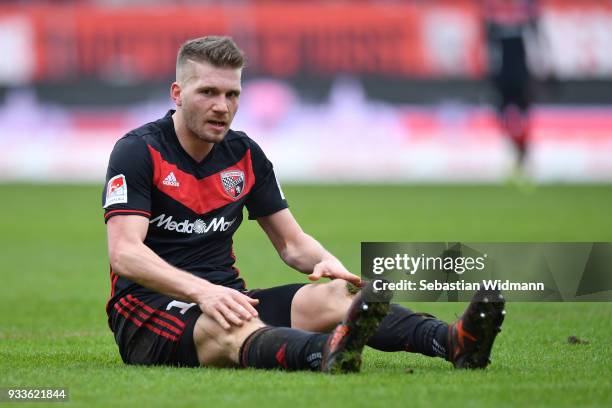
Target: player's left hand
333	269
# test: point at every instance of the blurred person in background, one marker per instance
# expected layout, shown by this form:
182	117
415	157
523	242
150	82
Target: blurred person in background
511	31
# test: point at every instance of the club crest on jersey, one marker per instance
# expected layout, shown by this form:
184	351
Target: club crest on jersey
233	182
116	191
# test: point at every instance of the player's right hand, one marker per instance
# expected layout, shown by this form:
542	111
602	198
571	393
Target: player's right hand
227	306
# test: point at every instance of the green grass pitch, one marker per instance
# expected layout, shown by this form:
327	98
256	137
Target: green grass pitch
54	284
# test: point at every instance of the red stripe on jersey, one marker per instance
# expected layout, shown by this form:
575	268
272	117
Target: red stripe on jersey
200	195
147	325
145	316
155	311
139	212
114	278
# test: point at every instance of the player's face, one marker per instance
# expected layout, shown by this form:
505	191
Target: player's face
209	100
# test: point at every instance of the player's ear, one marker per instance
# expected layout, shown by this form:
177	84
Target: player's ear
175	93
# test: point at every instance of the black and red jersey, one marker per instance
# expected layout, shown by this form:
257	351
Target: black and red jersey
193	207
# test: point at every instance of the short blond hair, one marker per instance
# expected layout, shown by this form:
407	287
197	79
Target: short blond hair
219	51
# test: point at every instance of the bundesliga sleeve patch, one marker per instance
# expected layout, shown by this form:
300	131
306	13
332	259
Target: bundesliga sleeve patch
116	191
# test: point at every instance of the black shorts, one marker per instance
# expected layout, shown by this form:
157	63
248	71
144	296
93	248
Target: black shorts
153	329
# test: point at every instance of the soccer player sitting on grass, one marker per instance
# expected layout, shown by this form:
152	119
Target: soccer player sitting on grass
174	197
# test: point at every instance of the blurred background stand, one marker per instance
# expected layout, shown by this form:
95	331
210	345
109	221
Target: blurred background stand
335	91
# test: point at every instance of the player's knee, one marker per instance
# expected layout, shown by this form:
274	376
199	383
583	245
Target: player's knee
231	340
217	346
320	307
335	296
341	288
324	296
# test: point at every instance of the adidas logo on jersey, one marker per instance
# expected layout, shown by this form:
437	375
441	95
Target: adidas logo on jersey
186	227
171	180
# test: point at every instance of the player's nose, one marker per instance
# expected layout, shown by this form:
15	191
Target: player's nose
221	105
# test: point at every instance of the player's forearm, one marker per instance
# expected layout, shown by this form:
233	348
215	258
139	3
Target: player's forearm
304	252
141	265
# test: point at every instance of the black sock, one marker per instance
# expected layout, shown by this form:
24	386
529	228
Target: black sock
405	330
282	347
